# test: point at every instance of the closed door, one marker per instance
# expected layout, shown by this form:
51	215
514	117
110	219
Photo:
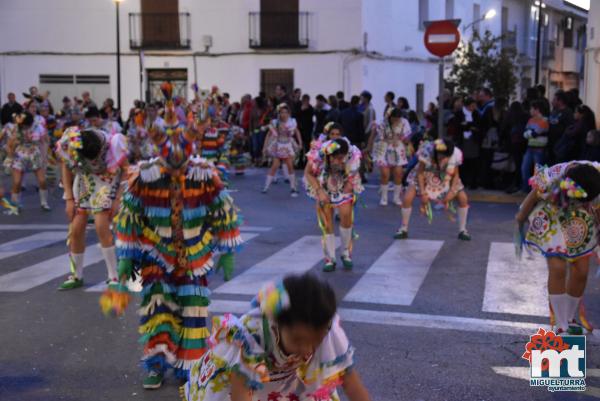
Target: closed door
160	23
279	23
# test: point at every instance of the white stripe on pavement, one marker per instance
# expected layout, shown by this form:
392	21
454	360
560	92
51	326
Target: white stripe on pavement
298	257
38	227
513	286
402	319
40	273
136	286
31	242
397	275
524	373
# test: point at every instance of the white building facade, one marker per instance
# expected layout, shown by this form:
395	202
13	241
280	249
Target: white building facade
245	46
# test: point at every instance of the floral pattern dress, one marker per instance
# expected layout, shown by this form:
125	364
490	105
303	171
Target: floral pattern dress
570	232
334	181
282	144
27	155
437	181
389	149
96	181
250	347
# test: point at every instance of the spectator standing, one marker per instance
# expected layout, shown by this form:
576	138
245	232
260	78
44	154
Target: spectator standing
516	122
536	134
369	116
9	108
321	111
304	117
591	148
281	96
560	118
352	120
570	144
468	139
334	113
488	127
342	103
389	103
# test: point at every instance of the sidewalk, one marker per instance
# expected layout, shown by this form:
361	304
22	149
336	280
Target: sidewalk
483	195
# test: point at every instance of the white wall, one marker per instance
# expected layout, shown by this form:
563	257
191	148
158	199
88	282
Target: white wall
592	62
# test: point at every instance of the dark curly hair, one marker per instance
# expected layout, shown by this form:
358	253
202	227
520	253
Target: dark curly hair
312	302
91	144
588	177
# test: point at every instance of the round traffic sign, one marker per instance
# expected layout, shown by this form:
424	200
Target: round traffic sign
442	37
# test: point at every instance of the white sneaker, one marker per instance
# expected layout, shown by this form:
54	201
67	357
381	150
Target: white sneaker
294	193
383	202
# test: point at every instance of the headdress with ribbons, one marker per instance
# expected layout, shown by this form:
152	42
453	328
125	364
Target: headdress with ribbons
272	299
175	149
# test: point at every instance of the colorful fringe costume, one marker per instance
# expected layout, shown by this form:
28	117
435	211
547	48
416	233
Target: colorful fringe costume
389	149
563	229
214	147
334	183
174	216
239	158
249	347
437	181
562	226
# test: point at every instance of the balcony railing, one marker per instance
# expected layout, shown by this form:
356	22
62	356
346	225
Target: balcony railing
272	30
509	41
168	31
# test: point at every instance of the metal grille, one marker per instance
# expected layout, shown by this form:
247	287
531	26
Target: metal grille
269	79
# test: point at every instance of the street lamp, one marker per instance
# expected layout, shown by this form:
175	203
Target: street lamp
491	13
117	2
538	44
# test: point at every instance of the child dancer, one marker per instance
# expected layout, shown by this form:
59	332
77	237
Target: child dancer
25	155
291	346
436	179
563	212
281	144
333	180
387	142
93	163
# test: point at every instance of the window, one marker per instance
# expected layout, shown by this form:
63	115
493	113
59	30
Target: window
423	13
72	85
568	32
476	16
449	9
270	78
279	25
160	23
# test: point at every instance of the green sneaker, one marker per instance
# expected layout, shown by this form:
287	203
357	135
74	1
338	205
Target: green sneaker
329	266
464	236
71	283
401	234
153	381
347	262
575	329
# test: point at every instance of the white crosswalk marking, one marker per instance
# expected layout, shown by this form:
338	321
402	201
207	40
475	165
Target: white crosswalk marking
29	243
397	275
40	273
298	257
513	286
136	286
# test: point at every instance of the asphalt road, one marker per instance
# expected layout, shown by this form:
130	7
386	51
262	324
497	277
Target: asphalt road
432	324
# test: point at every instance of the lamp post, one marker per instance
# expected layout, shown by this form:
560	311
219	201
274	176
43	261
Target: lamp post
538	44
491	13
117	2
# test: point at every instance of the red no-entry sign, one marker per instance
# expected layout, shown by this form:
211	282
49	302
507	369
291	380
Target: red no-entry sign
442	37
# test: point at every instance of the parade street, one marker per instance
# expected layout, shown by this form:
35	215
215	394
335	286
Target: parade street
431	317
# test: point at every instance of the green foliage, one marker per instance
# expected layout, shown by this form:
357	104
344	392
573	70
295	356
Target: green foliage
480	63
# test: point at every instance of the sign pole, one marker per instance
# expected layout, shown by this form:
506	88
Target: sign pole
440	119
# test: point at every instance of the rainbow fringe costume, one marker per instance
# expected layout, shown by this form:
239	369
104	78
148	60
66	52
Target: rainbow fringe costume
170	225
